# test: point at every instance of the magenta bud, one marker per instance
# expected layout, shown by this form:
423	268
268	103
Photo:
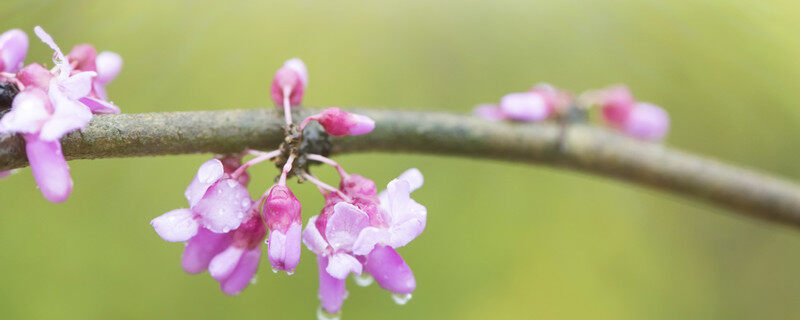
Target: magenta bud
390	271
287	81
282	214
340	123
616	102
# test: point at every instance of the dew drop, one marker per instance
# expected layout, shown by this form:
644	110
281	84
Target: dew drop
364	279
325	315
290	273
401	299
253	280
274	270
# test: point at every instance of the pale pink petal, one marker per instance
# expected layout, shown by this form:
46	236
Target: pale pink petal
176	225
208	174
414	178
99	106
647	121
243	274
342	264
6	173
331	290
202	248
297	65
83	57
313	239
361	124
407	217
58	58
78	85
109	65
284	248
13	48
344	226
50	169
35	75
390	271
29	112
68	115
368	238
526	106
225	206
224	263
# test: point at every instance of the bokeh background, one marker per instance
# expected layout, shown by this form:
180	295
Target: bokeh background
504	241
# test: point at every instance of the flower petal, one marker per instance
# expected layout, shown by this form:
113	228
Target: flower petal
344	226
526	106
202	248
284	248
208	174
313	239
223	264
243	274
407	217
331	290
49	168
78	85
28	114
176	225
225	206
368	238
341	264
99	106
390	270
68	115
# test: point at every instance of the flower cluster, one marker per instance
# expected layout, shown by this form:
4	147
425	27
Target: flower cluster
44	105
357	231
620	111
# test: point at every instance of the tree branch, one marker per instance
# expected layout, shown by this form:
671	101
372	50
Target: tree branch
577	146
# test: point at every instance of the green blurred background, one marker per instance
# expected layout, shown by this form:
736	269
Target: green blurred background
504	241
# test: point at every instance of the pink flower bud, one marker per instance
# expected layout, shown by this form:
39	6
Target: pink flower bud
290	79
282	214
340	123
526	106
647	121
108	65
616	102
13	49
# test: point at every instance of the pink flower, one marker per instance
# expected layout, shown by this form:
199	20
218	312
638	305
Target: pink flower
340	123
289	83
640	120
6	173
13	49
525	106
647	121
362	235
216	203
555	99
282	214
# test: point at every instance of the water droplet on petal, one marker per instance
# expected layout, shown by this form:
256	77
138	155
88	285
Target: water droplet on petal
364	279
401	299
325	315
274	270
290	273
253	280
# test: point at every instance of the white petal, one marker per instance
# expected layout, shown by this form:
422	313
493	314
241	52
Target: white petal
176	225
341	264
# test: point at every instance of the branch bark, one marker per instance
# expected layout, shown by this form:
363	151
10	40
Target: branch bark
575	146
